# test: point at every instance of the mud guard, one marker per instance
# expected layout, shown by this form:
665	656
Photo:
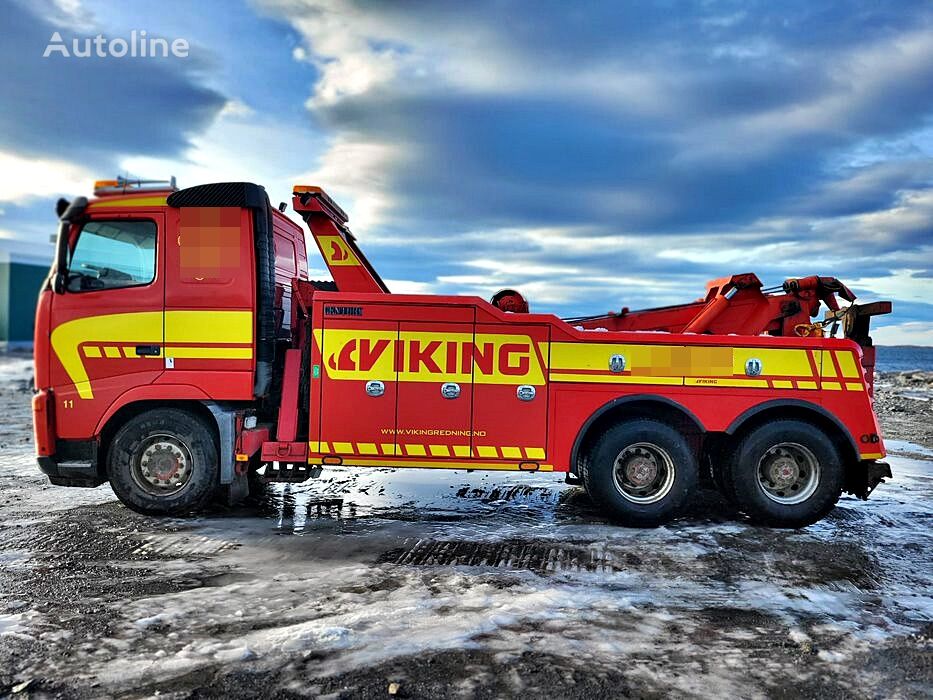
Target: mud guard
865	476
233	487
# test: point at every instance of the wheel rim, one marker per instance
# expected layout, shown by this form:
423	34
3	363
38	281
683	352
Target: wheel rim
643	473
162	465
788	473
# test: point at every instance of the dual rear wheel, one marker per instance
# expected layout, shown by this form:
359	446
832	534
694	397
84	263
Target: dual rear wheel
643	472
785	473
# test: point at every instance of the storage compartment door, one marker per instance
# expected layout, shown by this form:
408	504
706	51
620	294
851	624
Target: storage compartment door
510	392
435	391
358	389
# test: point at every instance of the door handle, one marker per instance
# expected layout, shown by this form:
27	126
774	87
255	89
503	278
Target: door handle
148	350
450	390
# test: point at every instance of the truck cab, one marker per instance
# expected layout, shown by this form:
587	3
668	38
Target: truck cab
159	298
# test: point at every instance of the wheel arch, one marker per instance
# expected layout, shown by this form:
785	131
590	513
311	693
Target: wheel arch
127	411
797	409
661	408
152	394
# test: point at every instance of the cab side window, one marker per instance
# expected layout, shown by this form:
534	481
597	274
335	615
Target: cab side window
111	254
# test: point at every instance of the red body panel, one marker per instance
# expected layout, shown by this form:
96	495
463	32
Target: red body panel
94	334
353	417
499	416
502	428
427	422
288	409
250	441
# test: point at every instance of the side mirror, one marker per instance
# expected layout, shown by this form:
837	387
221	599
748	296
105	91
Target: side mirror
70	213
61	206
60	284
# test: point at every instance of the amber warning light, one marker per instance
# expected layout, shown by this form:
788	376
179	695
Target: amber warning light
124	185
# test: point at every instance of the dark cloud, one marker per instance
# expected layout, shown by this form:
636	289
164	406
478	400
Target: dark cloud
682	141
601	29
28	228
94	109
748	109
867	188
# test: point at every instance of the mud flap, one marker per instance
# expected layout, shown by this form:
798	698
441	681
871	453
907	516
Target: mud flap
866	476
236	491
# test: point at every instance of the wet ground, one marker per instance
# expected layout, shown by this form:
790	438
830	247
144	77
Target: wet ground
451	584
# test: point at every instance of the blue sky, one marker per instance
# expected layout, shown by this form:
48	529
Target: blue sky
593	155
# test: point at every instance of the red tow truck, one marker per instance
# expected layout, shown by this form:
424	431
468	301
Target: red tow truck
180	347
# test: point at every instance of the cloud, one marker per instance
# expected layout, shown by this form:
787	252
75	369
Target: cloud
866	188
593	156
24	178
913	333
26	230
356	172
90	110
650	124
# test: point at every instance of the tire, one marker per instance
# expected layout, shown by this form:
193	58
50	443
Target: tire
581	470
163	462
642	473
722	477
787	474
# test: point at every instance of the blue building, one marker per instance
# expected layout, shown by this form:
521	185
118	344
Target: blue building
22	274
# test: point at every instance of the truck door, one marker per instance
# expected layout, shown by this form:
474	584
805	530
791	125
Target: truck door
107	326
510	393
209	298
358	385
435	391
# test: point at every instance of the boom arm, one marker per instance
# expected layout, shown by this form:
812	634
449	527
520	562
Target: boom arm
738	305
351	271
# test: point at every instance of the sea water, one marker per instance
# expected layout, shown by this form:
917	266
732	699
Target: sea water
904	358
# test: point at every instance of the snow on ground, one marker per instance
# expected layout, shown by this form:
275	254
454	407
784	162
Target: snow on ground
459	583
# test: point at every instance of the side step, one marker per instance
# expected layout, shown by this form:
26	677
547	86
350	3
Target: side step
71	473
291	473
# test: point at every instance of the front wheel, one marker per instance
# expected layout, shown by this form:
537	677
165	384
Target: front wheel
787	474
642	472
163	462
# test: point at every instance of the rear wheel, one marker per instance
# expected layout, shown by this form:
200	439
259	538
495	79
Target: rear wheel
641	472
787	474
163	462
